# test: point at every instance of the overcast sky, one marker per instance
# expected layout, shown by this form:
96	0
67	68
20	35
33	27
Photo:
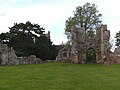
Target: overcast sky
52	14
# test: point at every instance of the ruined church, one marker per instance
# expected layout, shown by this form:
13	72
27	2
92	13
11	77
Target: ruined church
81	46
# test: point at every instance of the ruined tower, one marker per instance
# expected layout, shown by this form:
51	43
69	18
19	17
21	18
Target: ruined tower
78	49
100	44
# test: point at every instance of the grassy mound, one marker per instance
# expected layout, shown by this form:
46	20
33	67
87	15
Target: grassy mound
60	76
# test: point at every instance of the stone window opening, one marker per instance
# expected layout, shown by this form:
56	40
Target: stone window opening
65	54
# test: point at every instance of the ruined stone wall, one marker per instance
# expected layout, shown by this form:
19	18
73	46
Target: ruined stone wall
105	45
29	60
78	49
8	57
80	45
98	44
115	56
63	55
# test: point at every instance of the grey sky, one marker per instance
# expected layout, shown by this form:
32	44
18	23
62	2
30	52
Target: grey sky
52	14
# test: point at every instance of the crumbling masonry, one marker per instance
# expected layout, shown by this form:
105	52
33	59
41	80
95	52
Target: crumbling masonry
80	46
8	57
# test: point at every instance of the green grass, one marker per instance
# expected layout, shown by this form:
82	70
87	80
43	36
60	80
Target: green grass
60	76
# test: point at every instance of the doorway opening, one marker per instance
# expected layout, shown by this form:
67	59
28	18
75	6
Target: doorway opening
90	56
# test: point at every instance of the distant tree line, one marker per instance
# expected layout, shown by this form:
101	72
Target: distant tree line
29	39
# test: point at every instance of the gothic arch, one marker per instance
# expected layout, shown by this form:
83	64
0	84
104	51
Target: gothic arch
91	55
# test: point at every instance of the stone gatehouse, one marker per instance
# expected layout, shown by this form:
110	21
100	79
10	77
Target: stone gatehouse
80	46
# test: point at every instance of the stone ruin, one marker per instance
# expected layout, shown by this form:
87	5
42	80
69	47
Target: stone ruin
77	53
29	60
115	56
81	45
8	57
63	55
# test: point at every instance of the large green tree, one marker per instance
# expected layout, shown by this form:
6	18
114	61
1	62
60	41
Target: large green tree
30	39
86	16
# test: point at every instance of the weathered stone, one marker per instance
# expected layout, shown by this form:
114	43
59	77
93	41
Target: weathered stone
7	55
117	51
29	60
63	55
115	56
80	45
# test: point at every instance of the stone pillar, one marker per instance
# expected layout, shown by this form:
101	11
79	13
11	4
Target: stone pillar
102	44
78	49
98	45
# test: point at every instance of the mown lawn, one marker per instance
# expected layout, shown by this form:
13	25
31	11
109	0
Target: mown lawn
60	76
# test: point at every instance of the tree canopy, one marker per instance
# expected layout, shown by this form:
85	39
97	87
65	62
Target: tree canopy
86	16
30	39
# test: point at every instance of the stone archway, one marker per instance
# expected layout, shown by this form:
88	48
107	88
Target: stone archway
90	56
65	54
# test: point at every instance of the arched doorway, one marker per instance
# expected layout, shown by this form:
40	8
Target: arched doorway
90	56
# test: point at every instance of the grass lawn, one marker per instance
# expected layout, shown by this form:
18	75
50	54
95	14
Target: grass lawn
60	76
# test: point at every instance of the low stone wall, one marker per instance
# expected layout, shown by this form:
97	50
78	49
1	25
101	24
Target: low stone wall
115	59
29	60
115	56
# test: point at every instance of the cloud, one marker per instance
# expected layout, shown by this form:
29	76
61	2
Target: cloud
52	14
51	17
2	13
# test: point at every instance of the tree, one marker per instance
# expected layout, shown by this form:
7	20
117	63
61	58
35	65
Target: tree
85	16
23	37
30	39
117	39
